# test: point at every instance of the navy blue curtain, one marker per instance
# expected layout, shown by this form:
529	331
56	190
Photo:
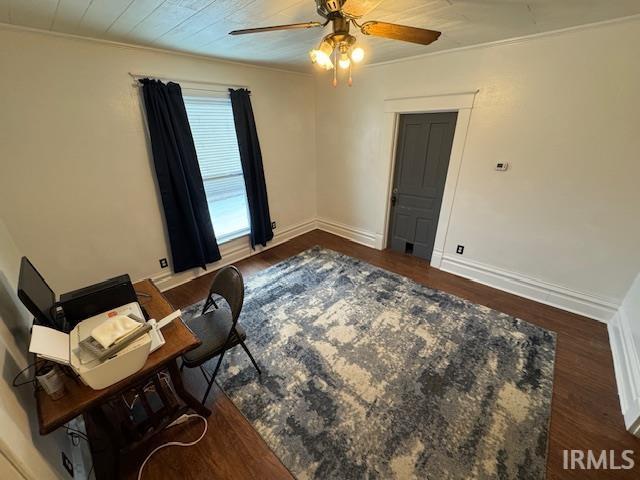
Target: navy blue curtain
193	243
251	159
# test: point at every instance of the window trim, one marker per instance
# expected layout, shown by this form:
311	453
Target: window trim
229	237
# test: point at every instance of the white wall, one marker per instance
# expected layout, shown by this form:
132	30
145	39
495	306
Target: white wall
624	334
78	192
77	188
7	470
563	109
32	455
631	305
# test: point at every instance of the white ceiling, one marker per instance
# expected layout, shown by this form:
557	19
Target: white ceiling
202	26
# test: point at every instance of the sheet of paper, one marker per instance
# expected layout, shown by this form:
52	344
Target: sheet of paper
50	344
168	319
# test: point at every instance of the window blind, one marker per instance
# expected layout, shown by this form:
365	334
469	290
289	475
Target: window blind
214	136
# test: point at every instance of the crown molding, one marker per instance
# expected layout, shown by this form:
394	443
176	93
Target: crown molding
134	46
510	41
211	58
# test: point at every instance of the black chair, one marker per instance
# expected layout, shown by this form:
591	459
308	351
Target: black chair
218	329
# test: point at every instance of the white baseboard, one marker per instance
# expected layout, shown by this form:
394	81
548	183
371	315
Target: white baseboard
239	249
436	258
601	309
598	308
232	252
591	306
363	237
627	368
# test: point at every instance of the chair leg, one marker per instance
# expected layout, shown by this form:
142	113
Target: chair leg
204	373
250	357
213	378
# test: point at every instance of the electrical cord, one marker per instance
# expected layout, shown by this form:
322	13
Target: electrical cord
141	295
176	444
32	379
150	386
75	438
75	434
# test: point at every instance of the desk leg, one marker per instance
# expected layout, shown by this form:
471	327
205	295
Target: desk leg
103	444
186	397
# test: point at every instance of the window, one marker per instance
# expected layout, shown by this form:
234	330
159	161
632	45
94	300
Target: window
214	135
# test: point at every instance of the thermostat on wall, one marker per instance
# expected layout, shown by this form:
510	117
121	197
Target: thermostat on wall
502	166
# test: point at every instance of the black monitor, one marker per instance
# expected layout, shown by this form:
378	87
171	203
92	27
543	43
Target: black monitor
36	295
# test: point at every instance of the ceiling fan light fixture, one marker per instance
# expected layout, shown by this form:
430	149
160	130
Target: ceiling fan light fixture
322	55
318	57
340	43
357	54
344	61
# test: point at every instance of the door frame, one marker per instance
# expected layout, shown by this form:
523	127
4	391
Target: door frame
449	102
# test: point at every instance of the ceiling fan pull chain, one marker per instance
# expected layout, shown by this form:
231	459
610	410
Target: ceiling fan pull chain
335	70
350	79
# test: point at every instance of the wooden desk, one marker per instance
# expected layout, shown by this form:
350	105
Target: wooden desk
80	398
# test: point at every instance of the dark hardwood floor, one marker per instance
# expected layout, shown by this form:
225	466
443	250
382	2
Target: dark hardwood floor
585	408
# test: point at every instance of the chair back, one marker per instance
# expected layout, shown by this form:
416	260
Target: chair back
228	283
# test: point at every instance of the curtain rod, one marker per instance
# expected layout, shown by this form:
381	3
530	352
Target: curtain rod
137	76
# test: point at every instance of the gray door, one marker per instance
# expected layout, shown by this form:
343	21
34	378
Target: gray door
422	159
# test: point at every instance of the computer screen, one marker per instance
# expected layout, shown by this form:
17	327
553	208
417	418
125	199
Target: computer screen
36	295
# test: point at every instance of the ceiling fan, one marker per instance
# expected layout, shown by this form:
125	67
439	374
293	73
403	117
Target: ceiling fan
340	43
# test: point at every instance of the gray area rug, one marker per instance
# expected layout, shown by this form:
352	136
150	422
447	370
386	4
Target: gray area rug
367	374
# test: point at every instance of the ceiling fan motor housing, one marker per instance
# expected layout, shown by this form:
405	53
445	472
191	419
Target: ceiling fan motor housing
333	5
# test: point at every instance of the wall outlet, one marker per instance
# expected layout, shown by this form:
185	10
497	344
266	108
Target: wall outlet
273	225
66	463
502	166
460	249
164	263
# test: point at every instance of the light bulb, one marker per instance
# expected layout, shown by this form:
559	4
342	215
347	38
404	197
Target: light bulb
321	58
344	61
357	54
322	55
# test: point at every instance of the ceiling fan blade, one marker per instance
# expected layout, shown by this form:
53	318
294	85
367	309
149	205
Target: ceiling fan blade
291	26
359	8
400	32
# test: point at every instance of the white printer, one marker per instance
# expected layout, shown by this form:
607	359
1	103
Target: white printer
101	374
98	363
65	349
